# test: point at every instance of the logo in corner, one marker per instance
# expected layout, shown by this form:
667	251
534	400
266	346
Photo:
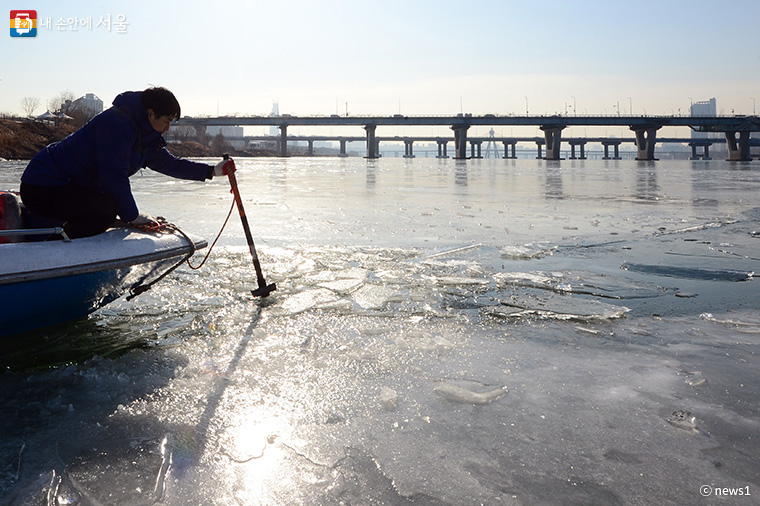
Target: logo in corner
23	23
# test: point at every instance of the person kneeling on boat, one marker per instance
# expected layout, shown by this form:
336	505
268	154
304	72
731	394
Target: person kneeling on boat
82	182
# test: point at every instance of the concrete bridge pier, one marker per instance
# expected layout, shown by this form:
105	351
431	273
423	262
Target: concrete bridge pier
343	153
705	155
283	140
738	151
311	147
476	149
460	141
509	147
372	143
581	145
645	142
553	135
615	145
442	149
539	148
408	148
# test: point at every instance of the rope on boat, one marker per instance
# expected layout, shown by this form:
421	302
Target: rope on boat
211	248
165	226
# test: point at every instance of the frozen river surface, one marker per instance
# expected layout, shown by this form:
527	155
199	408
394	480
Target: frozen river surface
444	333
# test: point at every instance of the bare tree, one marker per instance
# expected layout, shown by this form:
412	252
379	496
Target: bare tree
56	103
219	145
29	104
79	115
182	133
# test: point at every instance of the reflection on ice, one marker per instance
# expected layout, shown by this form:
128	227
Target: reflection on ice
167	451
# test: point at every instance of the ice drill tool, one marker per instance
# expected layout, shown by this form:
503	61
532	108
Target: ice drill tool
264	289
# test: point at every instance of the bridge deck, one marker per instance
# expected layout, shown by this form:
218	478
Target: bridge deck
703	123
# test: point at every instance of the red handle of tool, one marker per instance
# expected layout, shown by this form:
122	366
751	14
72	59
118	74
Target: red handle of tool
244	220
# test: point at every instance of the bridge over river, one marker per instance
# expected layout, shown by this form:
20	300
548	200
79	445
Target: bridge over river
736	129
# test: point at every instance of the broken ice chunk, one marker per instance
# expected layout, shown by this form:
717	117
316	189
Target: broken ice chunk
306	300
683	419
376	297
556	308
343	285
388	399
456	393
695	379
528	251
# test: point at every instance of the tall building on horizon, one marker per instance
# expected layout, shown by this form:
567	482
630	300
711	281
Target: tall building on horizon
275	130
704	108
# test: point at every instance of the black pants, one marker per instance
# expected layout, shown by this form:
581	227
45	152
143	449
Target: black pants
81	211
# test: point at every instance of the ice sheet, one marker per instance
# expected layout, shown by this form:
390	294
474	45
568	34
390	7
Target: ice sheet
443	333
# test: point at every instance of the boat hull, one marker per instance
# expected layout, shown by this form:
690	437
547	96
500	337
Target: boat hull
47	283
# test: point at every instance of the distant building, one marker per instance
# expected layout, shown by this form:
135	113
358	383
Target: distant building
704	108
274	130
233	135
226	131
89	103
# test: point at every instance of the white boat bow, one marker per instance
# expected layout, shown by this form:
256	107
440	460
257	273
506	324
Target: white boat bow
48	282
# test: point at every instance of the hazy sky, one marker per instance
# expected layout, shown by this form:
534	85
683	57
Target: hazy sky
391	56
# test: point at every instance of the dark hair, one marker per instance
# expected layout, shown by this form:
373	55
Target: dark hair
162	101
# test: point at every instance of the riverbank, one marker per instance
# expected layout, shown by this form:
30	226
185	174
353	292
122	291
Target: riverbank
21	140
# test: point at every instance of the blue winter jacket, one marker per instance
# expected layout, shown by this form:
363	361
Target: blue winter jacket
104	153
